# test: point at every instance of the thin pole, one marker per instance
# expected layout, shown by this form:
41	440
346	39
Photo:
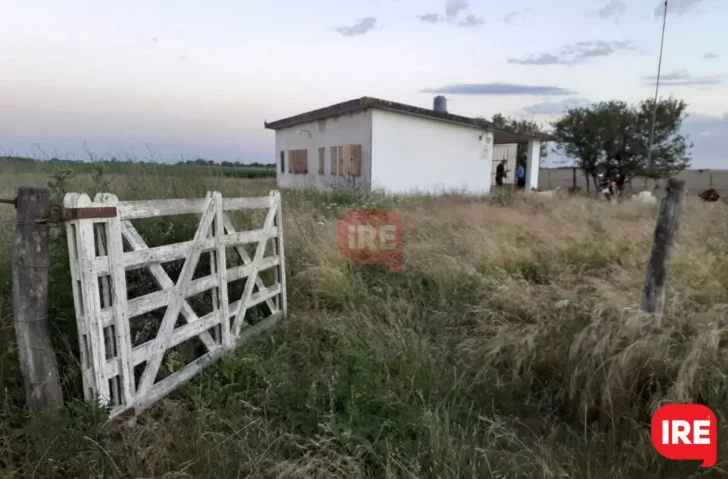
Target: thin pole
657	89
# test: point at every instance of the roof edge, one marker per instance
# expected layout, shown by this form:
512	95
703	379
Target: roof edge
367	102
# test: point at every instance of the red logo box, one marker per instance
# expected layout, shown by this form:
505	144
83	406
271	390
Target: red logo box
686	432
372	237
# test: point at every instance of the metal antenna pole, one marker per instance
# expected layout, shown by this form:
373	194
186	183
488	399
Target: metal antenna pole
657	89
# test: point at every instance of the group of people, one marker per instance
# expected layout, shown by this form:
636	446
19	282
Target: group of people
501	172
607	185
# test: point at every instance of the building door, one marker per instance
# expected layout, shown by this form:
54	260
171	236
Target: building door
508	153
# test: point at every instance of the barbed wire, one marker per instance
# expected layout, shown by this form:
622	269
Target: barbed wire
14	222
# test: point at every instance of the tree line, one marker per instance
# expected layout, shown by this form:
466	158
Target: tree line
613	138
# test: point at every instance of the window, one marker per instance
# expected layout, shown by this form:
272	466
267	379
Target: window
283	161
298	161
322	153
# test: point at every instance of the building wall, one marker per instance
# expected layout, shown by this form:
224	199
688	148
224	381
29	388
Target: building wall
351	128
414	154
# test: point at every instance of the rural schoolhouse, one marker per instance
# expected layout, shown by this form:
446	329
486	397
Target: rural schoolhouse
373	144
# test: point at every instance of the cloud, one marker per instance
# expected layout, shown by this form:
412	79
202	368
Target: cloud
710	56
471	21
453	9
612	9
579	52
360	27
498	89
510	16
677	7
429	17
556	107
683	78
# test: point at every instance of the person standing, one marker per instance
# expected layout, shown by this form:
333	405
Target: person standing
520	176
500	173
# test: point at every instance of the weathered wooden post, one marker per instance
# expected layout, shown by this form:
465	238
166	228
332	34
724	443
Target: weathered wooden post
668	220
573	178
30	301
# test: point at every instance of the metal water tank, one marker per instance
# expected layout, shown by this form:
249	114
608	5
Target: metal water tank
440	104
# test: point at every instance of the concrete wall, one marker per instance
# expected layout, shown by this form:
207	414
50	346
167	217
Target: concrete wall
352	128
415	154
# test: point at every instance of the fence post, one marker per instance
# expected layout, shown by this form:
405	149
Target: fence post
30	301
573	178
668	220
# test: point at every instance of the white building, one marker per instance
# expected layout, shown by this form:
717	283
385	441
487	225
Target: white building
375	144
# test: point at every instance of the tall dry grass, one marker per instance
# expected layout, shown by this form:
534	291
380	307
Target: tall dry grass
510	345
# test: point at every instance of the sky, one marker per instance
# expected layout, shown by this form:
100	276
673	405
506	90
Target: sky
180	80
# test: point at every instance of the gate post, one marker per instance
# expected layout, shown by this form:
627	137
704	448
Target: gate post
30	301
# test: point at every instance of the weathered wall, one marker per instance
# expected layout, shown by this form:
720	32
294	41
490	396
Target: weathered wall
351	128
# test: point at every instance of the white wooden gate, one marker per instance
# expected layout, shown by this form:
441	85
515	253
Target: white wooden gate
105	311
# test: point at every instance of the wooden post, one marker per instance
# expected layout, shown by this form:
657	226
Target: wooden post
573	179
668	220
30	301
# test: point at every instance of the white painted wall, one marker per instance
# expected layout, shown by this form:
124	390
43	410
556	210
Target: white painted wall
532	164
416	154
348	129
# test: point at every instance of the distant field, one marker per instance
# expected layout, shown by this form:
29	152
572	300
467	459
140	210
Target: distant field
694	180
20	166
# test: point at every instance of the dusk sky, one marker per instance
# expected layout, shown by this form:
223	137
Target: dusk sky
194	79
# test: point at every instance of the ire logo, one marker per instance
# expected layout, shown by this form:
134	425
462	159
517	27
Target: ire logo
686	431
372	237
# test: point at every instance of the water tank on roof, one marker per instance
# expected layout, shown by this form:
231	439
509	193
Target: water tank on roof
440	104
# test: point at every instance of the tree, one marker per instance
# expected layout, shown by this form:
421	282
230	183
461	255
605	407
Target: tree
613	137
575	139
669	148
524	127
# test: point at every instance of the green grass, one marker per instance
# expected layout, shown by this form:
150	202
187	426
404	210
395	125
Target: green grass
510	345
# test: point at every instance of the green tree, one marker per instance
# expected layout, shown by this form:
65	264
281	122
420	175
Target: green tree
670	149
613	138
576	140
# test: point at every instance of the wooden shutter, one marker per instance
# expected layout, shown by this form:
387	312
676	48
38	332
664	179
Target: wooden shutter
342	152
355	161
334	157
298	161
322	153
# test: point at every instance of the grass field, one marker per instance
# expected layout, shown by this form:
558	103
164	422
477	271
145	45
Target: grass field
695	180
510	345
14	166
